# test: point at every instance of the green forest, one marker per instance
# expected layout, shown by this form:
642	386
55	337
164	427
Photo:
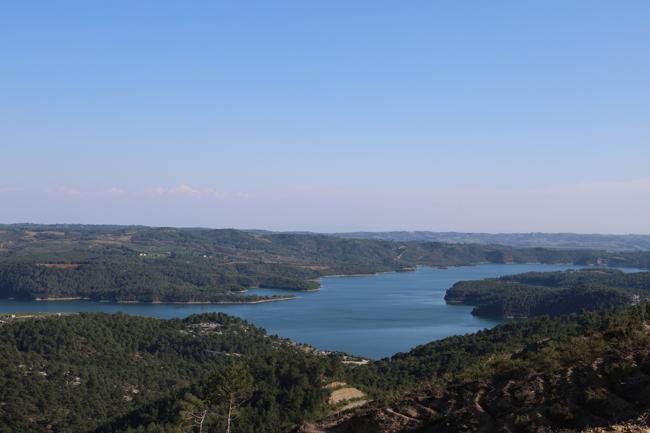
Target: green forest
116	373
537	375
104	373
132	263
576	354
551	293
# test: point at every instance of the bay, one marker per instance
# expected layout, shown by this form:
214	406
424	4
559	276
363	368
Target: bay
372	316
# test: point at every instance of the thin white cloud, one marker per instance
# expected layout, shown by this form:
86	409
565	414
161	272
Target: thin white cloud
186	190
181	190
68	191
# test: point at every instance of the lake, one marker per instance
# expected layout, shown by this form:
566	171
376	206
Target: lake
373	316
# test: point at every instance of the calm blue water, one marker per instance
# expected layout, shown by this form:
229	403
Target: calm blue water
373	316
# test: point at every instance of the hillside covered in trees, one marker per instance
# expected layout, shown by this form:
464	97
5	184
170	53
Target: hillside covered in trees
146	264
105	373
551	293
569	374
115	373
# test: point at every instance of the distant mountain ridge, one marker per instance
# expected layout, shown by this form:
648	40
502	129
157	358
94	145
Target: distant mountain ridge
595	241
627	242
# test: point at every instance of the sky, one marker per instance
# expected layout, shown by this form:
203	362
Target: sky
444	115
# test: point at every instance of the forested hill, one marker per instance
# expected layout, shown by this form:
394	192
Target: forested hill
115	373
551	293
569	374
200	265
104	373
609	242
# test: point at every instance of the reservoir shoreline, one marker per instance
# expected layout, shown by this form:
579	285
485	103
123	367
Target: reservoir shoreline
372	316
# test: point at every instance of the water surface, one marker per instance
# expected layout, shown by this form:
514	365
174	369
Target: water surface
373	316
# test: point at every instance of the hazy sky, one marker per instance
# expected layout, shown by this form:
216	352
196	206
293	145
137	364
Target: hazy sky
327	115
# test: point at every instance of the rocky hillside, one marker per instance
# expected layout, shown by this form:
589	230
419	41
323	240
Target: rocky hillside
588	382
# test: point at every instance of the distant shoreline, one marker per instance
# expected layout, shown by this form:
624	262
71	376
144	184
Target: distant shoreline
257	301
288	298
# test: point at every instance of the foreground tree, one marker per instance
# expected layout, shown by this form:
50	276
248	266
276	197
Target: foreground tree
193	412
224	393
228	389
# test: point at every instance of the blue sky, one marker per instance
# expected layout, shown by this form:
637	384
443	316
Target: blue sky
328	116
